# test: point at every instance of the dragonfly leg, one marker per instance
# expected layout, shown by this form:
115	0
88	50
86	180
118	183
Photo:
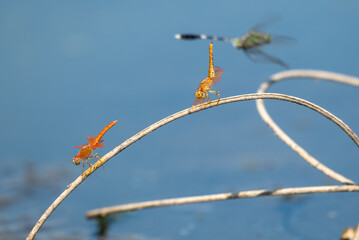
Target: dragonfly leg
208	97
89	163
217	93
83	166
95	155
99	158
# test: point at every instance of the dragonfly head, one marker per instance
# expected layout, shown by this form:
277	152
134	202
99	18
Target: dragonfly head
199	94
76	160
237	43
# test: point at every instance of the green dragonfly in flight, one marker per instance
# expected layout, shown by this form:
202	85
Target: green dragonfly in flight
250	43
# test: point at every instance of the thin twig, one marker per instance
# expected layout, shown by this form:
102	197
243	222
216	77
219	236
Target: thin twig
178	115
102	212
282	135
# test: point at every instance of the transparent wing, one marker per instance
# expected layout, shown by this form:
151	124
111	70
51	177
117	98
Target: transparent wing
80	146
198	101
216	80
257	55
217	72
90	138
279	40
265	23
99	145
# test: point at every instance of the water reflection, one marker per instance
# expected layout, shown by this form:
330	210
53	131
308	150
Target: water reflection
20	186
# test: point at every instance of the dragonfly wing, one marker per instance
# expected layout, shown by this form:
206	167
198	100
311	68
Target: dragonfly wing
217	72
198	101
265	23
90	138
80	145
279	40
99	145
257	55
216	79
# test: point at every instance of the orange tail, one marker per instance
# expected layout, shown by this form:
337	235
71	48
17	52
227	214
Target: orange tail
99	136
211	68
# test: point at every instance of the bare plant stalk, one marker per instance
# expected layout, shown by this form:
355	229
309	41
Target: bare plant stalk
315	74
103	212
282	135
356	234
350	233
178	115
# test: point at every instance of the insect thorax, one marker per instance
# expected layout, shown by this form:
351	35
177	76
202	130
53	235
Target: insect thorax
254	39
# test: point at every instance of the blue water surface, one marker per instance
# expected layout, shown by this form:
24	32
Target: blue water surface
68	68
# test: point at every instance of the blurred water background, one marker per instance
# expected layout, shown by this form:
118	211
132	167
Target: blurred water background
70	67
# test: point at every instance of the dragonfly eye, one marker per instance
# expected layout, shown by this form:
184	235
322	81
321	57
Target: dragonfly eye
75	161
237	43
198	94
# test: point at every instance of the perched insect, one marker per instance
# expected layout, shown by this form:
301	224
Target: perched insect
87	149
250	42
214	76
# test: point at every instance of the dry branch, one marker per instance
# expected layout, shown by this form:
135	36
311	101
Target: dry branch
350	233
173	117
317	75
282	135
103	212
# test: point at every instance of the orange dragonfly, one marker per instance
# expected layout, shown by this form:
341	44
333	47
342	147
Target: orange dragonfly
214	76
87	148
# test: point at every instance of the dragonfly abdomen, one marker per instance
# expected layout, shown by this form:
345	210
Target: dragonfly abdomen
201	36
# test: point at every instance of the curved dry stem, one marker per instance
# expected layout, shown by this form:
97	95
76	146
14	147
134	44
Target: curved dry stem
173	117
282	135
350	233
316	74
103	212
